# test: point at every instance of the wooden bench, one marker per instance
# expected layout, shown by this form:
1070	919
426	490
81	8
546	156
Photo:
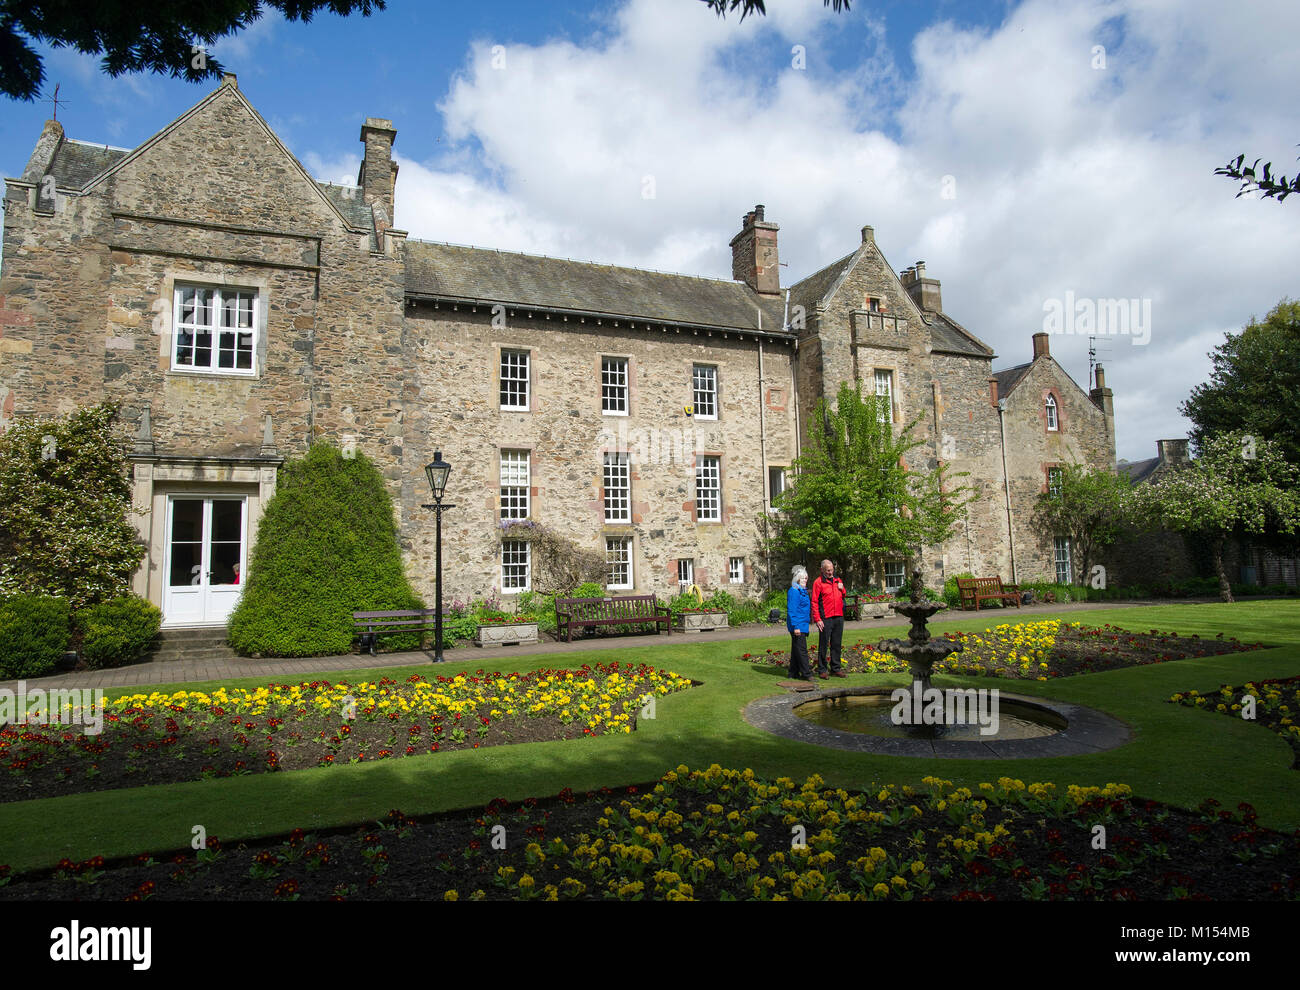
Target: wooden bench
371	625
634	610
976	590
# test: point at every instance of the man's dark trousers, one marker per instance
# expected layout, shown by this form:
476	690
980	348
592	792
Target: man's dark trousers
831	634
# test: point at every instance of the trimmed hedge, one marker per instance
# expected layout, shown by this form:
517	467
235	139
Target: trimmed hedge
117	632
327	547
34	634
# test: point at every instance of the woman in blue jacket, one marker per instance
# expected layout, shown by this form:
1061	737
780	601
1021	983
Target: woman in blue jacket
798	613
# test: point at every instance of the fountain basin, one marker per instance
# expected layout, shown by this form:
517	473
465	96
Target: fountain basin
876	714
1086	729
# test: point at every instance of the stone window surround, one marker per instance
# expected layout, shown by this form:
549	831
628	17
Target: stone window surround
630	537
1055	393
531	490
722	501
500	349
717	391
166	307
600	377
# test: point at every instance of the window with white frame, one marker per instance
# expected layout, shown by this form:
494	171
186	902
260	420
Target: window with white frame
685	572
613	386
618	489
885	389
704	383
216	330
1051	412
516	558
514	380
776	483
708	489
1054	482
736	570
1062	555
618	562
515	484
894	576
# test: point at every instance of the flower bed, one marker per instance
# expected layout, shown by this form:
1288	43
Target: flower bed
1037	650
163	738
727	834
1277	706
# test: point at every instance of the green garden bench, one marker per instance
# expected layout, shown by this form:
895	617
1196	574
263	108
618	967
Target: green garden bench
371	625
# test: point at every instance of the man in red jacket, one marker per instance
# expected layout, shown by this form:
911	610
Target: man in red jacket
828	614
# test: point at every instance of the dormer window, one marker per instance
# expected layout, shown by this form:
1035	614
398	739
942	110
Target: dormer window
1051	413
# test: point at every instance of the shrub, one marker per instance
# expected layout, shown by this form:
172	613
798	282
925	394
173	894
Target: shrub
327	547
64	505
951	593
34	635
720	600
541	607
588	589
117	632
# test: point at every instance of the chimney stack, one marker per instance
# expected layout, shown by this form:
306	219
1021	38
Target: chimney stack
1040	346
378	177
924	291
1172	451
754	258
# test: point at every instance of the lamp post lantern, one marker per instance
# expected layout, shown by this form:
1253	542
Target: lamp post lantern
437	473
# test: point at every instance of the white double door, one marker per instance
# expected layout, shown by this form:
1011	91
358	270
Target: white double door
205	558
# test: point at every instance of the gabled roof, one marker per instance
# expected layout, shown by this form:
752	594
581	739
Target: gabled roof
1009	378
458	272
814	290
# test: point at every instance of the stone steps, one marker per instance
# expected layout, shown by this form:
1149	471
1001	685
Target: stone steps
191	644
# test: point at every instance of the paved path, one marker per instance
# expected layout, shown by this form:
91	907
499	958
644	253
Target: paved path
306	667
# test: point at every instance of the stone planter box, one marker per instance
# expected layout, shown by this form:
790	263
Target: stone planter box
696	622
506	634
875	610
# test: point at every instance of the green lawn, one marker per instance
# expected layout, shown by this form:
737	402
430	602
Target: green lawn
1178	755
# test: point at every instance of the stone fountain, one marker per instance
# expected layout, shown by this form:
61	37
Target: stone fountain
919	650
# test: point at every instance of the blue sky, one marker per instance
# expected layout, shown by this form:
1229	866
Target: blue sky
990	139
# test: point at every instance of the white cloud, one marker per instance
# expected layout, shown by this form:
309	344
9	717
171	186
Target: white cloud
1067	177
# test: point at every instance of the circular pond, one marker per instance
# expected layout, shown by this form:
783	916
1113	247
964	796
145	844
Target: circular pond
880	715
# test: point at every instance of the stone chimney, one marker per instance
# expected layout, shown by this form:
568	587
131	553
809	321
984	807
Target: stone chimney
993	392
754	259
1040	346
378	176
1102	397
924	291
1172	451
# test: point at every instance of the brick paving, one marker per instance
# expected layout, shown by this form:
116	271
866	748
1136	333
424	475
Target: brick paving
181	671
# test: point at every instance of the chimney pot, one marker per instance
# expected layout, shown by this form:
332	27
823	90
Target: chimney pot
1101	377
1040	346
868	235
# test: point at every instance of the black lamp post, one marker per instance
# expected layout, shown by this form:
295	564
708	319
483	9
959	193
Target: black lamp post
437	473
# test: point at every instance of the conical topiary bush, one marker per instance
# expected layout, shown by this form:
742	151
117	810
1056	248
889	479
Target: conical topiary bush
327	547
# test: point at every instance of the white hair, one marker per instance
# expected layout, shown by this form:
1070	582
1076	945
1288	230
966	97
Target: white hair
796	572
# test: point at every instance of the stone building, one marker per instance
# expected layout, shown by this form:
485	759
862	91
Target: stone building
240	309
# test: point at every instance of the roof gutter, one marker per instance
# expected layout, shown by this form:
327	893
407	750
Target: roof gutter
586	314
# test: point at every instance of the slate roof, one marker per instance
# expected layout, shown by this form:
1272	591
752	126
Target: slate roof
76	163
810	292
946	334
353	207
1009	378
452	271
1140	470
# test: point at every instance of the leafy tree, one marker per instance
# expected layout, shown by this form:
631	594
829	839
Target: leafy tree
64	507
747	7
1240	484
1091	508
1265	182
159	36
1255	384
853	498
327	547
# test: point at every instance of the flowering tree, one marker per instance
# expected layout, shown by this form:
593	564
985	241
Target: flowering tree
1089	507
64	507
854	497
1239	484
